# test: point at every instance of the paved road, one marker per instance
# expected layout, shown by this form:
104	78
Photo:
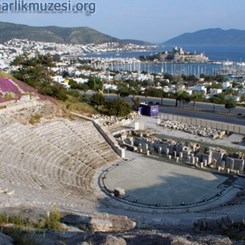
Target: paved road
171	102
198	106
202	110
204	115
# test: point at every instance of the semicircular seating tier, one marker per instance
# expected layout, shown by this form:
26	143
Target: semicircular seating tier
59	155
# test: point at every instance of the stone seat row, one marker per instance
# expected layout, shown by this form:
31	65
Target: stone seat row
27	158
57	180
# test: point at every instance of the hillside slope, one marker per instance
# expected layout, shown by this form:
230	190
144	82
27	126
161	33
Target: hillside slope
72	35
210	37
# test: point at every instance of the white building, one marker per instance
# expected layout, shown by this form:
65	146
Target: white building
214	91
58	79
107	86
200	88
80	80
227	84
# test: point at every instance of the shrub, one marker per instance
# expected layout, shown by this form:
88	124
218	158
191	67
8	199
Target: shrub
52	220
34	119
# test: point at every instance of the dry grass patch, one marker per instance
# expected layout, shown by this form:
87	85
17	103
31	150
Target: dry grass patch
82	108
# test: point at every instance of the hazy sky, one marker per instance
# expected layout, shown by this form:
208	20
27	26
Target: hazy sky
149	20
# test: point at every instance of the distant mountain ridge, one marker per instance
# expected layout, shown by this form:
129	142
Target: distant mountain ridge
211	37
72	35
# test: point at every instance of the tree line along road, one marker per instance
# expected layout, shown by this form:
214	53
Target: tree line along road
207	111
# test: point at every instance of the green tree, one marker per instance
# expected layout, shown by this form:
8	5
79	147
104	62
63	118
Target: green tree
75	93
95	83
117	107
136	102
242	98
207	78
216	85
230	104
164	82
97	99
80	86
169	77
65	74
73	84
123	91
34	71
153	92
190	79
196	96
182	97
60	92
46	89
228	91
217	99
220	78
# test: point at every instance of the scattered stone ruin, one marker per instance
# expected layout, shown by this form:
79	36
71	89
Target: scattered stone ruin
111	121
185	152
194	129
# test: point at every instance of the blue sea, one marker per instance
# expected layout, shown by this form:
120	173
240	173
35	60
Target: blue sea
214	53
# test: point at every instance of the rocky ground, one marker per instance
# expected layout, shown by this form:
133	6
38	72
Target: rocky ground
112	230
30	110
136	237
193	129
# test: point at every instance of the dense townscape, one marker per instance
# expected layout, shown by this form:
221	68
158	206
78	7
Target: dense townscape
70	65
